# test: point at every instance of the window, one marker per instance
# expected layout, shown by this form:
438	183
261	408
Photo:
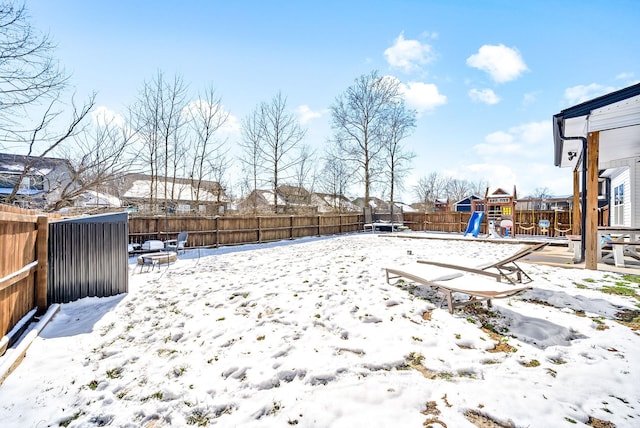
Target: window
8	180
618	205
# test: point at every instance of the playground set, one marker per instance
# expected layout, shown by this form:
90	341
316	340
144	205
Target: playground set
503	220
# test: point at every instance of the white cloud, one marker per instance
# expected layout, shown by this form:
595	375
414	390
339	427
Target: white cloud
486	96
499	137
408	55
527	141
422	96
502	63
305	114
526	178
581	93
624	76
533	133
103	115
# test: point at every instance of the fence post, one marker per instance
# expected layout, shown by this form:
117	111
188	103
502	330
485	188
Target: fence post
42	255
217	231
291	227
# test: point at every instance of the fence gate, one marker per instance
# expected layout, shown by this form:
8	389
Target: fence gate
88	257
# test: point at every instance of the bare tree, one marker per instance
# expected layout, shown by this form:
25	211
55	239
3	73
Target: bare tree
29	73
219	166
400	123
304	170
172	102
358	119
280	136
159	121
30	79
251	156
538	197
542	193
98	159
145	118
334	178
457	189
430	188
207	117
478	187
41	135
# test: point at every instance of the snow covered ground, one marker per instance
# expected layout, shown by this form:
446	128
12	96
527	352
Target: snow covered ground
308	333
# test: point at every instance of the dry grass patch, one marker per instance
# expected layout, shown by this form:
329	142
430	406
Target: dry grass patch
502	346
483	420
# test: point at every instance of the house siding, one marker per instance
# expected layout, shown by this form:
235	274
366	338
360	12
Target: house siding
629	172
634	192
621	178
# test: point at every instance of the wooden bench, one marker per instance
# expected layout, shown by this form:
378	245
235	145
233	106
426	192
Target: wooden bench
619	249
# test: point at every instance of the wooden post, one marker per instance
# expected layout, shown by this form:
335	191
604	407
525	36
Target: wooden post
291	227
217	231
42	255
591	242
576	203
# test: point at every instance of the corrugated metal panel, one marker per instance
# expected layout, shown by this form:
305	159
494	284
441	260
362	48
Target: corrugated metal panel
88	258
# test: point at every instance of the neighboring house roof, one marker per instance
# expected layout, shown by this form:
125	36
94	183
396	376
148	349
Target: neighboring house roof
467	200
264	197
43	179
93	199
327	202
373	202
138	186
22	191
500	192
615	115
406	207
12	163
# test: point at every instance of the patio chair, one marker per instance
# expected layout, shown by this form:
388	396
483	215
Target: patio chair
177	245
506	268
475	287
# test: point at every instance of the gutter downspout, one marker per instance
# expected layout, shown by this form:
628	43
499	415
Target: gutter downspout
583	196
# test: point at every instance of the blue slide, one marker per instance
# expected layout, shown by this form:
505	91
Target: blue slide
474	223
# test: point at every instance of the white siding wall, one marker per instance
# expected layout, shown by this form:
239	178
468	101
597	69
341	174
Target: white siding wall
622	177
634	193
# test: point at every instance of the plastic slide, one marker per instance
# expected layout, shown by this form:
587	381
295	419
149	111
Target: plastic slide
474	223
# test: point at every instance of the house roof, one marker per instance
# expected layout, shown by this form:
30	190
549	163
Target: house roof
615	115
13	163
467	199
138	186
141	189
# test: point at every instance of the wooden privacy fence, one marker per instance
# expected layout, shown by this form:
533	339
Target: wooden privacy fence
525	223
23	267
233	230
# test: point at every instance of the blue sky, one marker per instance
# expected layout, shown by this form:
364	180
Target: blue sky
485	76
